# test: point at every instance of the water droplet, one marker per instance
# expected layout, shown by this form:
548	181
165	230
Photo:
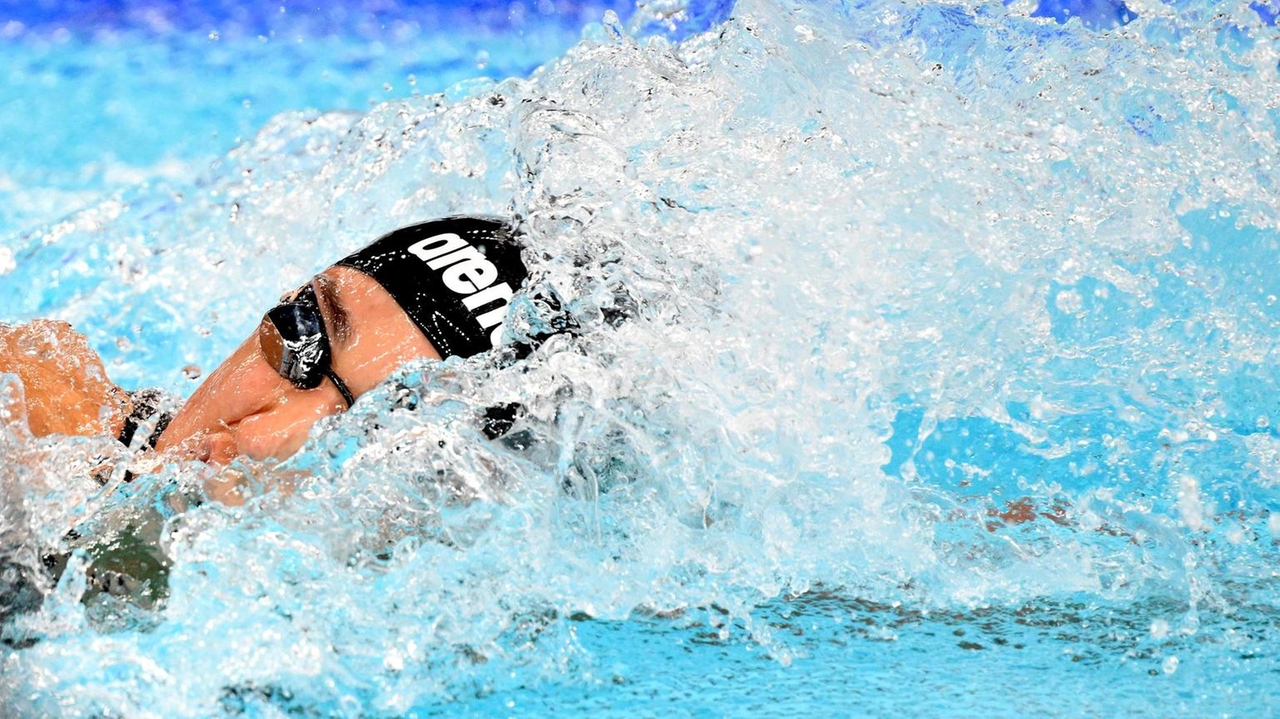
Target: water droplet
1069	302
393	661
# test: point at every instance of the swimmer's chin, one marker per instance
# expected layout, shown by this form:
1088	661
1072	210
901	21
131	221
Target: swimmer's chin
235	482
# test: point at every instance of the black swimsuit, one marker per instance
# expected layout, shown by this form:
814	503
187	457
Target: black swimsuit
147	405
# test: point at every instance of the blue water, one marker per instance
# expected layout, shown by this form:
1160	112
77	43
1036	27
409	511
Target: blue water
948	387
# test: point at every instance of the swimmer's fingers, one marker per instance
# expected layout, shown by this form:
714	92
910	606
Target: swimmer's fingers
64	382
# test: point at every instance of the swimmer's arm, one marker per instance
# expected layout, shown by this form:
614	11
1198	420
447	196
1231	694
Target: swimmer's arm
65	389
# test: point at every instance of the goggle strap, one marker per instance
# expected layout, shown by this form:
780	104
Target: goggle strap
342	386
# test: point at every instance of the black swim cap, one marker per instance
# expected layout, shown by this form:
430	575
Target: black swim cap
453	277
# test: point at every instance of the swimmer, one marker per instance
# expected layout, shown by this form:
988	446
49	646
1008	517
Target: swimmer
429	291
433	290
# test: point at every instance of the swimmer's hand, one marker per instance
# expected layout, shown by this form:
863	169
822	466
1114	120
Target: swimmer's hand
64	383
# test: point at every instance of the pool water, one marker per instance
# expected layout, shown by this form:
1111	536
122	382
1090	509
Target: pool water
926	363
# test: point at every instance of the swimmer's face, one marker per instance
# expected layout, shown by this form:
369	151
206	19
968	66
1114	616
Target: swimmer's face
245	408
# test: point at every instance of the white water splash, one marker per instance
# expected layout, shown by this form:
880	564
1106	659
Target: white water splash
931	305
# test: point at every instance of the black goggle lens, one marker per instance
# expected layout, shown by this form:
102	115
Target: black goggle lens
294	342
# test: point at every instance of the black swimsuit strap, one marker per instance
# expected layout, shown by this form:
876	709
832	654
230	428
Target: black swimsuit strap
146	406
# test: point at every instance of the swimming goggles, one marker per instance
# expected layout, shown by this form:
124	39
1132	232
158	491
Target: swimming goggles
294	342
